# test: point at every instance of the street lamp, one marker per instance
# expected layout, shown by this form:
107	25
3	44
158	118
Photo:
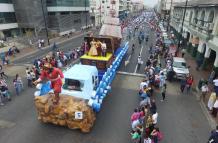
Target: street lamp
46	28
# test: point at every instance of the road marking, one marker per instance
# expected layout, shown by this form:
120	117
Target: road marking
128	59
6	124
131	74
137	59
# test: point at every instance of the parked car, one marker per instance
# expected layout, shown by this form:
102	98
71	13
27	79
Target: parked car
180	68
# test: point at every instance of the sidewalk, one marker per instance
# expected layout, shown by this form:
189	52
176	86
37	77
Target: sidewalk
197	76
31	50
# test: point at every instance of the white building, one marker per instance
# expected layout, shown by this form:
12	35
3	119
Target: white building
200	30
95	12
8	22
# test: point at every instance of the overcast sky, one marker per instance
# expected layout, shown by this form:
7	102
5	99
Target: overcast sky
150	3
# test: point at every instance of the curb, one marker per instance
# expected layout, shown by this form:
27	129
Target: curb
211	121
58	43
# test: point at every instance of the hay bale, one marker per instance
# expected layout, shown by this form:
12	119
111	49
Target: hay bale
63	114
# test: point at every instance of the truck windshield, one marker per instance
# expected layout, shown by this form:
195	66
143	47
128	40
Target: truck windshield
179	64
71	84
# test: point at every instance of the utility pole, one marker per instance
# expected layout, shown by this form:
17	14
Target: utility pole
86	14
46	28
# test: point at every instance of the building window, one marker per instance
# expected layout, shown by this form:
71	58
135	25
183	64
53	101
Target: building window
68	3
5	1
7	17
77	21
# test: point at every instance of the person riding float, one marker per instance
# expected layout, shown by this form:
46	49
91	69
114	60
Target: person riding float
55	75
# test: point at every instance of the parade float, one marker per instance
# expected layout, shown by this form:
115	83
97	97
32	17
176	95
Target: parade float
85	85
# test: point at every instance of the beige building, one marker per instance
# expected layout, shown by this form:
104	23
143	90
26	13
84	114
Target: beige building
200	30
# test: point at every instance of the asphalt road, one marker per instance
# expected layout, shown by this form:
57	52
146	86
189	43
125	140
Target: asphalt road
180	117
19	124
140	49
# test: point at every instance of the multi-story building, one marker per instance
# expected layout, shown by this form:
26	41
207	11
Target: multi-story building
8	22
68	15
129	5
165	6
200	30
60	15
95	12
137	5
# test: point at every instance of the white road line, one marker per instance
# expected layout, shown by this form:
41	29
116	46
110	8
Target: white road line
131	74
127	61
137	59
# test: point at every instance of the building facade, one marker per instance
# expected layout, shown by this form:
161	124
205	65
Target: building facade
8	22
60	16
68	15
200	30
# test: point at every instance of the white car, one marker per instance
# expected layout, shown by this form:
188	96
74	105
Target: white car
180	68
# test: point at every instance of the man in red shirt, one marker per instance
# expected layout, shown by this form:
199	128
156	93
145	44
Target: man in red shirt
55	75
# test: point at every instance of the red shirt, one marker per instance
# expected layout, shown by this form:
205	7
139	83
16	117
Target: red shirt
55	75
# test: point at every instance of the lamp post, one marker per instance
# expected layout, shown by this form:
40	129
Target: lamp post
46	28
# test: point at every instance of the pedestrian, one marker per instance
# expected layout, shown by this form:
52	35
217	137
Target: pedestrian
157	136
154	118
163	91
211	101
204	91
139	61
17	86
2	73
153	107
162	79
133	47
135	115
212	76
39	44
183	52
147	139
215	108
214	136
20	82
215	81
29	79
136	135
189	82
182	84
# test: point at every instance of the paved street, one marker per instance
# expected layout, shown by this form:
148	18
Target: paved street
180	117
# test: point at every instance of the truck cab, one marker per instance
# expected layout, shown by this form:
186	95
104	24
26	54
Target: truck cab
80	81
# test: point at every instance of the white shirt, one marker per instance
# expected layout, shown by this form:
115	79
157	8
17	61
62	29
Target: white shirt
154	118
215	104
204	88
103	46
215	82
143	84
148	140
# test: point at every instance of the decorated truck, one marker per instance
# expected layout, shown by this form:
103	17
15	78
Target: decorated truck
85	85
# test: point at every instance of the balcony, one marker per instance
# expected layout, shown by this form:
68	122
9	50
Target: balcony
202	29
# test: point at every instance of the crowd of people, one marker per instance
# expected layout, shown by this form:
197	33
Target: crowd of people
144	119
58	59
